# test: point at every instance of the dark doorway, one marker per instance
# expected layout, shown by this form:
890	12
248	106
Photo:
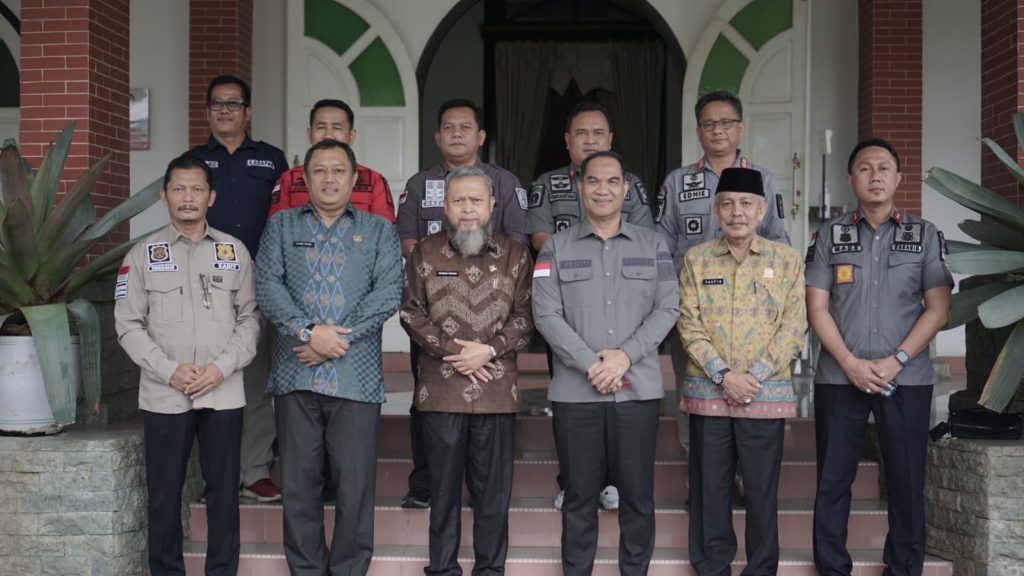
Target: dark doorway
552	53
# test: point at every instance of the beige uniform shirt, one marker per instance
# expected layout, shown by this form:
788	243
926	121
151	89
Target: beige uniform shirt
183	302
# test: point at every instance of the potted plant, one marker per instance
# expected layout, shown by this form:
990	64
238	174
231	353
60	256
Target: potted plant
42	246
996	266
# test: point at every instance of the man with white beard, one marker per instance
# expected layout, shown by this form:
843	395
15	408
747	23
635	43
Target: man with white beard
467	305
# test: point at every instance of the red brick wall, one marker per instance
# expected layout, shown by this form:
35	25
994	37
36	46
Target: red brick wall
1002	90
220	42
74	66
889	89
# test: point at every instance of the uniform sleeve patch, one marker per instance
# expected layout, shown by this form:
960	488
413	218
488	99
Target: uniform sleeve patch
659	210
536	196
943	249
403	197
542	269
810	248
780	206
642	193
666	271
544	256
121	288
521	196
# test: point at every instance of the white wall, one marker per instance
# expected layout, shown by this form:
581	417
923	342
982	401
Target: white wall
951	123
268	77
159	61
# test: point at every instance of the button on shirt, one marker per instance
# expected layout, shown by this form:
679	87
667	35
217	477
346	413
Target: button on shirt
244	182
482	298
684	209
421	206
876	281
747	316
163	320
555	204
346	274
591	294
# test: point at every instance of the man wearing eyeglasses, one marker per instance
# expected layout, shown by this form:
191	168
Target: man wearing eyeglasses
684	207
244	174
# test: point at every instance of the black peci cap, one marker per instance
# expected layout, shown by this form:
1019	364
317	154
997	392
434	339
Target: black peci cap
741	180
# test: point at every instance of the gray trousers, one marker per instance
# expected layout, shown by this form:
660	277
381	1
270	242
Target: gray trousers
310	426
679	361
258	428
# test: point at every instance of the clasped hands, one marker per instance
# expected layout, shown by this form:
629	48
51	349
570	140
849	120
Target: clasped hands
194	381
871	376
606	374
326	343
740	388
473	361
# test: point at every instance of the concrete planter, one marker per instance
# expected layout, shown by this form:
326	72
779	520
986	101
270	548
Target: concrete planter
23	404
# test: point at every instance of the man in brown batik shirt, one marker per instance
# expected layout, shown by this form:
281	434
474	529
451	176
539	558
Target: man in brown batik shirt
467	305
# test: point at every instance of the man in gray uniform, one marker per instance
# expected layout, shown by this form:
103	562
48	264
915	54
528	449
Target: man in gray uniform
555	203
604	296
684	207
867	274
459	137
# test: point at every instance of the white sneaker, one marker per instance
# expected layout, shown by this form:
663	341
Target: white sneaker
559	499
610	498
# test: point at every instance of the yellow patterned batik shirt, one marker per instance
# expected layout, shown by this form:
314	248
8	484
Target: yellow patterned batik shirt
747	316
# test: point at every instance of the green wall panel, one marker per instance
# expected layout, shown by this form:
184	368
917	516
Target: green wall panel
10	85
723	69
377	76
762	20
333	24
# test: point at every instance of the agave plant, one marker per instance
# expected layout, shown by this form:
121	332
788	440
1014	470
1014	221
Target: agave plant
42	243
1000	251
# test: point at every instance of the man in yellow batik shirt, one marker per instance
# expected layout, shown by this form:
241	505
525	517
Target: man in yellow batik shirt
742	319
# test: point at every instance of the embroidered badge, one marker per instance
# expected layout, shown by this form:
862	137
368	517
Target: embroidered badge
433	194
780	207
907	238
713	282
693	225
659	209
403	197
699	194
121	288
769	273
433	226
943	249
844	274
561	224
810	248
225	257
158	258
845	238
357	237
560	182
693	181
642	192
536	196
521	195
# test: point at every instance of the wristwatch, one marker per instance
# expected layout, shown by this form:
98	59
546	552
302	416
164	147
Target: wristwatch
719	377
306	333
494	353
902	357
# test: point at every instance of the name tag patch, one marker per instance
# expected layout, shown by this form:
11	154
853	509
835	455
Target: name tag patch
907	238
638	261
447	273
302	244
560	182
844	274
571	264
845	238
225	256
699	194
158	257
713	282
260	163
433	194
213	163
562	196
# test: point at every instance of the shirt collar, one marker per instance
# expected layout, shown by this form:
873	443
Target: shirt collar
896	214
585	229
740	162
491	245
757	245
212	143
173	234
443	168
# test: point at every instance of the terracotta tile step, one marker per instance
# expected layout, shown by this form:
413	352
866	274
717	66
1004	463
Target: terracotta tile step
535	522
534	433
268	560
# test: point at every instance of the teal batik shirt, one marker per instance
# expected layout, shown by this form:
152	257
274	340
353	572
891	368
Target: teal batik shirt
348	274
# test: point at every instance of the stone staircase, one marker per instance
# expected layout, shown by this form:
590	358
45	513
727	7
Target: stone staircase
535	525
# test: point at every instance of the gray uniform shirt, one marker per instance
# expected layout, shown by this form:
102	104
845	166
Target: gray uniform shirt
876	281
591	294
555	203
421	205
685	211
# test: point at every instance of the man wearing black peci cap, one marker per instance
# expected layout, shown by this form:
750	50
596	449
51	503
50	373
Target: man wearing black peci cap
741	323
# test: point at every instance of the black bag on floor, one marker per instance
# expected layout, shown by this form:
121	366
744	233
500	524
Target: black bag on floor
980	424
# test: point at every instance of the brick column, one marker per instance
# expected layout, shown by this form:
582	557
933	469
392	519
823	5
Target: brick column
220	42
889	90
1002	90
74	66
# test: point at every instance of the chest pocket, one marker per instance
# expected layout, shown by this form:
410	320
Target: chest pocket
575	287
165	295
222	297
263	175
847	269
905	271
638	284
770	302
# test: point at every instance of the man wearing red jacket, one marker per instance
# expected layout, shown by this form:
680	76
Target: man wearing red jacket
334	119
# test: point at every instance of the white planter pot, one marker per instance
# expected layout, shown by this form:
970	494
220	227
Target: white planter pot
23	404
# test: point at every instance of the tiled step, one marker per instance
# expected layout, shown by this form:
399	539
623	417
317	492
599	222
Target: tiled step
534	434
536	478
269	560
534	522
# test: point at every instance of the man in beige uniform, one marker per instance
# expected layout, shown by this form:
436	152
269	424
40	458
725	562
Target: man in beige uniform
185	312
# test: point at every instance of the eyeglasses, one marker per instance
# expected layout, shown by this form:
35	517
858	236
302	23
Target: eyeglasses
725	123
231	105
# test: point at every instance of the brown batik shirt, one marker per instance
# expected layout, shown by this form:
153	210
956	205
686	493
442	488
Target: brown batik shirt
483	298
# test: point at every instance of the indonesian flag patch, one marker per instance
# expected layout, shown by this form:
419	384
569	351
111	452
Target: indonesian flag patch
542	270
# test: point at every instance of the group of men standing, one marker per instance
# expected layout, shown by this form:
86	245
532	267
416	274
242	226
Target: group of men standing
706	262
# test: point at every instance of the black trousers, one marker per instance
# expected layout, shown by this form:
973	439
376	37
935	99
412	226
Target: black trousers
840	421
716	443
168	440
310	425
592	438
481	448
419	478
